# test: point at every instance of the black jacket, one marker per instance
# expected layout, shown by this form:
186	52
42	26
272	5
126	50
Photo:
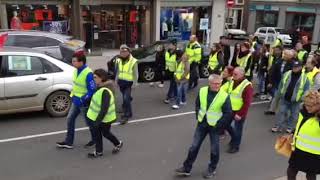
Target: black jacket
226	53
276	73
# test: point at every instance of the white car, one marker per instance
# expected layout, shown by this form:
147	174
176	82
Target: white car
33	81
235	33
270	34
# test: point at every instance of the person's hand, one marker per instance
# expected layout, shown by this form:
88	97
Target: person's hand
237	117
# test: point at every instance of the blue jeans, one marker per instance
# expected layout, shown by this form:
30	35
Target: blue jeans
201	132
71	119
288	114
235	132
262	82
181	92
172	92
126	96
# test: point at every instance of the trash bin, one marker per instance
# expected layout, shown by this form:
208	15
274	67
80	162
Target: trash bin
69	48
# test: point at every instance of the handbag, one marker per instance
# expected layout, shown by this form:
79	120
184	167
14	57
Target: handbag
283	145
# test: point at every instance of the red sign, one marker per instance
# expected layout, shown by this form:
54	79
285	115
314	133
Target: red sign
3	38
230	3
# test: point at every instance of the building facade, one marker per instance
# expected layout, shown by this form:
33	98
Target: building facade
288	14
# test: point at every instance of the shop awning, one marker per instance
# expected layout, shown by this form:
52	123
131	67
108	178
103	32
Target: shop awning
185	3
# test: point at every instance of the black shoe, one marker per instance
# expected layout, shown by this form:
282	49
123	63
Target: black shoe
64	145
117	148
124	120
89	144
209	174
269	113
95	154
233	150
182	172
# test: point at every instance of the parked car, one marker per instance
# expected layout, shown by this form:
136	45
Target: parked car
232	33
40	40
269	34
33	81
146	61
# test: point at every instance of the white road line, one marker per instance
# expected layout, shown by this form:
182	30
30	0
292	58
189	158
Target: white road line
115	124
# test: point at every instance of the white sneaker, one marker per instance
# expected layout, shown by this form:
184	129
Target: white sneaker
160	85
183	103
151	84
175	107
263	97
166	101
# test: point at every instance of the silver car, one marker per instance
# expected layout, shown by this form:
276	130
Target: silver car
32	81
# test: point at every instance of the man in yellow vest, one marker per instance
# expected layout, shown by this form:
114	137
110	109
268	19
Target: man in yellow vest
82	91
302	54
216	59
102	113
294	84
245	60
194	53
313	74
213	112
241	94
171	64
127	76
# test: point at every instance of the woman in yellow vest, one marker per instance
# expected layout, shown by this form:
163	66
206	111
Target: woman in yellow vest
306	140
216	59
182	76
313	73
244	59
102	112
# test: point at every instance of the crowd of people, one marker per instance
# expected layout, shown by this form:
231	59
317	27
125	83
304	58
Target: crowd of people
289	77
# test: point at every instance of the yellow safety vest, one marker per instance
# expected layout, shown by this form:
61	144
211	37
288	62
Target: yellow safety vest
253	44
126	70
214	112
79	88
270	61
213	61
312	74
301	54
242	62
307	138
180	71
193	51
277	43
95	107
171	61
285	84
235	94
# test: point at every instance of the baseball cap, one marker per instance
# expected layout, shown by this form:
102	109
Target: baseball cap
297	64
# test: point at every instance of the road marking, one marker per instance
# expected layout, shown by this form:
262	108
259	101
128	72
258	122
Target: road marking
115	124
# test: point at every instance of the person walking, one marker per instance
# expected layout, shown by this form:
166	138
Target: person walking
302	54
225	49
241	95
182	75
313	73
102	113
127	75
171	64
160	65
82	91
194	53
216	63
213	112
245	59
262	72
306	145
235	54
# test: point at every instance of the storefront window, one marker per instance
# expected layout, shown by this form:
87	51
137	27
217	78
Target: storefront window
303	21
266	18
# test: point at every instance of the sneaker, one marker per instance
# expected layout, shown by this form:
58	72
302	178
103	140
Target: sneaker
209	174
89	144
117	148
151	84
95	154
233	150
269	113
64	145
183	103
276	130
175	107
166	101
182	172
289	131
160	85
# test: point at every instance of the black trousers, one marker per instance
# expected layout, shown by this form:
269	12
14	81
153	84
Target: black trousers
194	75
104	129
292	174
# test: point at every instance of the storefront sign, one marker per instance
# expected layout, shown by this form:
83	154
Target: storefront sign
266	7
204	23
59	27
301	9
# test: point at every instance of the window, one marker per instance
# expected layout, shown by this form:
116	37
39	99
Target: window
20	41
263	31
266	19
271	31
239	2
1	69
23	66
48	67
52	42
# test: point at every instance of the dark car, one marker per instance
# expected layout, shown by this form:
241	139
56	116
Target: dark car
146	61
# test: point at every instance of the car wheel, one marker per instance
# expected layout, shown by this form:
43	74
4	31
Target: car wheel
148	73
204	71
58	104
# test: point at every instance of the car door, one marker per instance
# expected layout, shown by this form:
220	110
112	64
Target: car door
26	83
3	103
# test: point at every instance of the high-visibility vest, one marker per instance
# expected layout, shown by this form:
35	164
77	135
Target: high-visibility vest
301	54
235	94
285	84
171	61
242	62
253	44
79	88
270	61
126	70
214	112
307	138
213	61
95	107
312	74
277	43
180	71
193	51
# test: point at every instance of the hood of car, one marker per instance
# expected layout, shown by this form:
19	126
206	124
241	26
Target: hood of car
236	31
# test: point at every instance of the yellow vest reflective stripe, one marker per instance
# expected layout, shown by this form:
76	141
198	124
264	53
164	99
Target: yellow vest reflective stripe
79	88
301	54
285	83
126	70
312	74
213	61
95	107
171	62
236	94
194	54
214	112
242	62
270	61
180	71
307	138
